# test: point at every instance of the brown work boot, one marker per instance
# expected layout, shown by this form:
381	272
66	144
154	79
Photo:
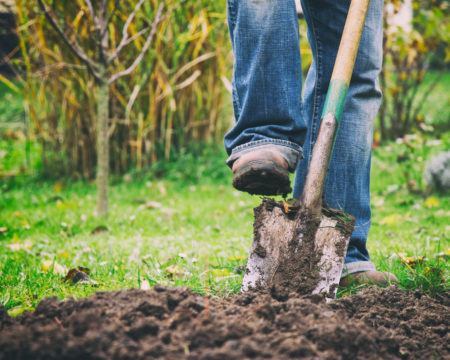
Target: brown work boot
262	172
368	277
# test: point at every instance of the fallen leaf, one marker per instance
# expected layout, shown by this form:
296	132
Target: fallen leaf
58	269
392	188
411	260
145	285
17	246
18	310
431	202
236	258
66	205
153	205
57	187
218	273
63	253
443	255
392	219
172	270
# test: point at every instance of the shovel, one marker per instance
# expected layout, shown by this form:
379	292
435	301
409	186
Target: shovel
301	248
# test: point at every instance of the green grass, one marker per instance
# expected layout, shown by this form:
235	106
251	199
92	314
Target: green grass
197	232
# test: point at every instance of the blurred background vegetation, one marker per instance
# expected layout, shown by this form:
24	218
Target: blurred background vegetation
178	100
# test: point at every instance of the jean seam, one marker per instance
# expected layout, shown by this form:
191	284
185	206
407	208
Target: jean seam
232	11
317	83
280	142
232	18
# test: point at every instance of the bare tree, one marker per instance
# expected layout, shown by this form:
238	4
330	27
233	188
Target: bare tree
100	67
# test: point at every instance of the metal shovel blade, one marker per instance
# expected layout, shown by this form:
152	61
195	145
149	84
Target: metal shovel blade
281	255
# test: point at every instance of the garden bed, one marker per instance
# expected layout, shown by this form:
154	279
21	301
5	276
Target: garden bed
176	323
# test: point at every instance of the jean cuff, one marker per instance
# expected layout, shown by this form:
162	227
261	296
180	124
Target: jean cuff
291	152
357	266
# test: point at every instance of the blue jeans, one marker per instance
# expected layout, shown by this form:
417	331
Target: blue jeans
270	111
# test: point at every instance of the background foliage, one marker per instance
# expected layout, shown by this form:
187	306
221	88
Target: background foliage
175	97
179	95
414	62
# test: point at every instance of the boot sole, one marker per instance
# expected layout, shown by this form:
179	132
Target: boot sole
262	177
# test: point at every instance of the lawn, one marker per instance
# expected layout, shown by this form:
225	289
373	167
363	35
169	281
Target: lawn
182	224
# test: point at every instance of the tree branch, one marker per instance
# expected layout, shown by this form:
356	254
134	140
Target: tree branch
144	48
124	39
73	45
91	10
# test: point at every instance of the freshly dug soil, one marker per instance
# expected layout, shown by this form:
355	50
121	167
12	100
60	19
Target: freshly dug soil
297	250
174	323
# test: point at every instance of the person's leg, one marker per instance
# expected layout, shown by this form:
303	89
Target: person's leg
348	181
266	87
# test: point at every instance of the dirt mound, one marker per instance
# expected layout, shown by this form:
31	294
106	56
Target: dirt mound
171	323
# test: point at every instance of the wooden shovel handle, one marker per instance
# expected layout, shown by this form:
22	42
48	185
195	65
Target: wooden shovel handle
332	112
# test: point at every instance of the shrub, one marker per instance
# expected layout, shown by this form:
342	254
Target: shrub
405	79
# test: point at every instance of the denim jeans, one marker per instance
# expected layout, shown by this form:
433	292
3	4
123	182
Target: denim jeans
270	110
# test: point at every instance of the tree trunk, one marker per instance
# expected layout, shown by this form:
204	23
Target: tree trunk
102	146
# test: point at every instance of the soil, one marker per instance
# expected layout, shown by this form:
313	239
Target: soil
176	323
286	251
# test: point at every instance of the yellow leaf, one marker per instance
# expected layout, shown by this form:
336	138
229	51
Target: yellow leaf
58	269
392	219
46	265
63	253
57	187
431	202
15	238
66	205
18	310
221	272
410	260
236	258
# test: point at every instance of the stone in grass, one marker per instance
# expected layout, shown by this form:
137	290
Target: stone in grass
437	172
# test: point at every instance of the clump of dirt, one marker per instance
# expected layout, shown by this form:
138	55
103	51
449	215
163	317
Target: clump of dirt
298	269
174	323
287	253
